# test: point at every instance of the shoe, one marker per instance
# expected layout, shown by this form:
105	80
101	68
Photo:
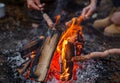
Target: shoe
112	30
102	23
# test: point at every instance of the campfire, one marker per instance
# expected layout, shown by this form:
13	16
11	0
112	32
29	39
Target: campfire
70	45
50	57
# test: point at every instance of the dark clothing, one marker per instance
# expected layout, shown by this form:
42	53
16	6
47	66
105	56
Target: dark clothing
116	3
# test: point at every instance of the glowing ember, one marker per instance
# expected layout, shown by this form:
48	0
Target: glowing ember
27	74
57	19
32	54
60	56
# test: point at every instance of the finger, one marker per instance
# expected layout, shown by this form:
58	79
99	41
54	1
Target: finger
34	6
37	2
84	12
42	5
88	14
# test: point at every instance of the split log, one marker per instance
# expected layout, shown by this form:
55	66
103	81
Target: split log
23	67
96	55
32	45
66	62
46	54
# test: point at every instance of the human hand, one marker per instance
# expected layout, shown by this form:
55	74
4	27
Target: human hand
88	11
115	18
35	4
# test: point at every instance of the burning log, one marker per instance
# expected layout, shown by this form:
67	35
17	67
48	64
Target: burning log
46	55
69	45
96	55
72	40
38	65
67	64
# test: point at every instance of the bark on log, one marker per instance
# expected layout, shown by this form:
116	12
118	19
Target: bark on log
46	55
22	69
96	55
32	45
69	53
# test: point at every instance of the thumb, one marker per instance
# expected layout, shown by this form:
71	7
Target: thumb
37	2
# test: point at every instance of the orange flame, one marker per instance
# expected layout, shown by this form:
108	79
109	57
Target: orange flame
57	19
65	73
71	32
32	54
68	36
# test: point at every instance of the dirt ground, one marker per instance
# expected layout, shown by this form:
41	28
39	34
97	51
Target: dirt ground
17	29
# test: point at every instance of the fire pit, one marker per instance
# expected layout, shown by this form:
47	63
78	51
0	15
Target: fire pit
53	58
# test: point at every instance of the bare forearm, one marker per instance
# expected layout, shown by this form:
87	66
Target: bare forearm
89	10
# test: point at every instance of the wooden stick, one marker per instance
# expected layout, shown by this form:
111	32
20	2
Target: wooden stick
48	20
96	55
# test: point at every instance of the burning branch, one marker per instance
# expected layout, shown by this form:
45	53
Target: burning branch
96	55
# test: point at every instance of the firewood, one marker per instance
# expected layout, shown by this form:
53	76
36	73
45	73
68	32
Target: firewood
32	45
69	53
46	55
96	55
23	67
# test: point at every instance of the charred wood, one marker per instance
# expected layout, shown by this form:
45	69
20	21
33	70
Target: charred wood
23	67
32	45
69	53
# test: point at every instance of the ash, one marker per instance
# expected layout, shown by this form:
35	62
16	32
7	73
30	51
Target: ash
14	62
89	73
